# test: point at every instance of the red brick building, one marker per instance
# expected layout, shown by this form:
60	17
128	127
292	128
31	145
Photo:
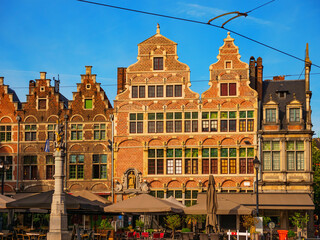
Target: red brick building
169	138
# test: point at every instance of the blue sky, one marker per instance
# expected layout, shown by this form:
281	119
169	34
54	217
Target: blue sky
61	37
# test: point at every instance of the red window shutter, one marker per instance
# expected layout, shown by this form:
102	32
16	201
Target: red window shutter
224	89
232	89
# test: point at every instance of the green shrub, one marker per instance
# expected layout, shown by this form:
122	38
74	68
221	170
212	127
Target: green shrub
185	230
150	230
291	233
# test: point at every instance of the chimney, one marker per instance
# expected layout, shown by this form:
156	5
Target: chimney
279	78
88	70
259	74
121	79
43	75
56	85
252	73
1	80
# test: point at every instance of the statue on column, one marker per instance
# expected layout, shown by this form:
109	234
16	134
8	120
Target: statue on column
59	143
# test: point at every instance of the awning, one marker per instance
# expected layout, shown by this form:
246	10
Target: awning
225	206
244	203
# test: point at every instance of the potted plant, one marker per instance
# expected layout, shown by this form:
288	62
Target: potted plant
105	226
300	221
173	222
139	225
291	235
249	222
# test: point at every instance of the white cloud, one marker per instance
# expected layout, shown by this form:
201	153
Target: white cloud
198	11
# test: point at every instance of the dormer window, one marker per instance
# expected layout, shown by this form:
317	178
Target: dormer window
294	114
228	64
42	104
271	115
158	63
228	89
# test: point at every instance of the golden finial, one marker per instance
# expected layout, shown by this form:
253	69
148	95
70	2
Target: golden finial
158	28
270	97
294	96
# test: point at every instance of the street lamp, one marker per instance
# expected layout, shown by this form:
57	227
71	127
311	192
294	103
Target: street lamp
256	164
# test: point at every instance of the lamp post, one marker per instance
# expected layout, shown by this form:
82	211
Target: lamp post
256	164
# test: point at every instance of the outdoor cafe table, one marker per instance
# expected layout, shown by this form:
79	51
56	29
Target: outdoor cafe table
33	235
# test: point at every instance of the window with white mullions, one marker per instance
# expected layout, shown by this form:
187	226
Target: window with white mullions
190	197
209	121
51	132
99	131
158	63
295	155
246	121
271	156
294	114
174	161
271	115
246	160
5	133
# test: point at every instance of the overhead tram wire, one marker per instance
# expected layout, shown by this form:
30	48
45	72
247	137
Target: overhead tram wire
198	22
200	80
260	6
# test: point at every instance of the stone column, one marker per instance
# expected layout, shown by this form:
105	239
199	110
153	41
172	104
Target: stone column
58	229
58	218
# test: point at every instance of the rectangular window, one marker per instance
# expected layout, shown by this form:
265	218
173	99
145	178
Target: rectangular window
51	132
135	92
271	156
136	123
169	91
228	122
173	122
190	197
209	161
76	167
191	161
158	63
155	122
49	167
246	121
30	168
159	91
30	132
155	161
295	155
178	90
174	161
88	103
5	133
228	89
142	91
246	160
294	114
99	166
208	122
151	91
7	160
99	131
271	115
228	160
76	131
42	104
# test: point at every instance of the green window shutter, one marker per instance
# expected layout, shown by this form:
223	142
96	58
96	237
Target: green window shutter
88	104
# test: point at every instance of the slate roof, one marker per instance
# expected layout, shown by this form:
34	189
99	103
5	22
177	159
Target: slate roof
288	86
15	97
